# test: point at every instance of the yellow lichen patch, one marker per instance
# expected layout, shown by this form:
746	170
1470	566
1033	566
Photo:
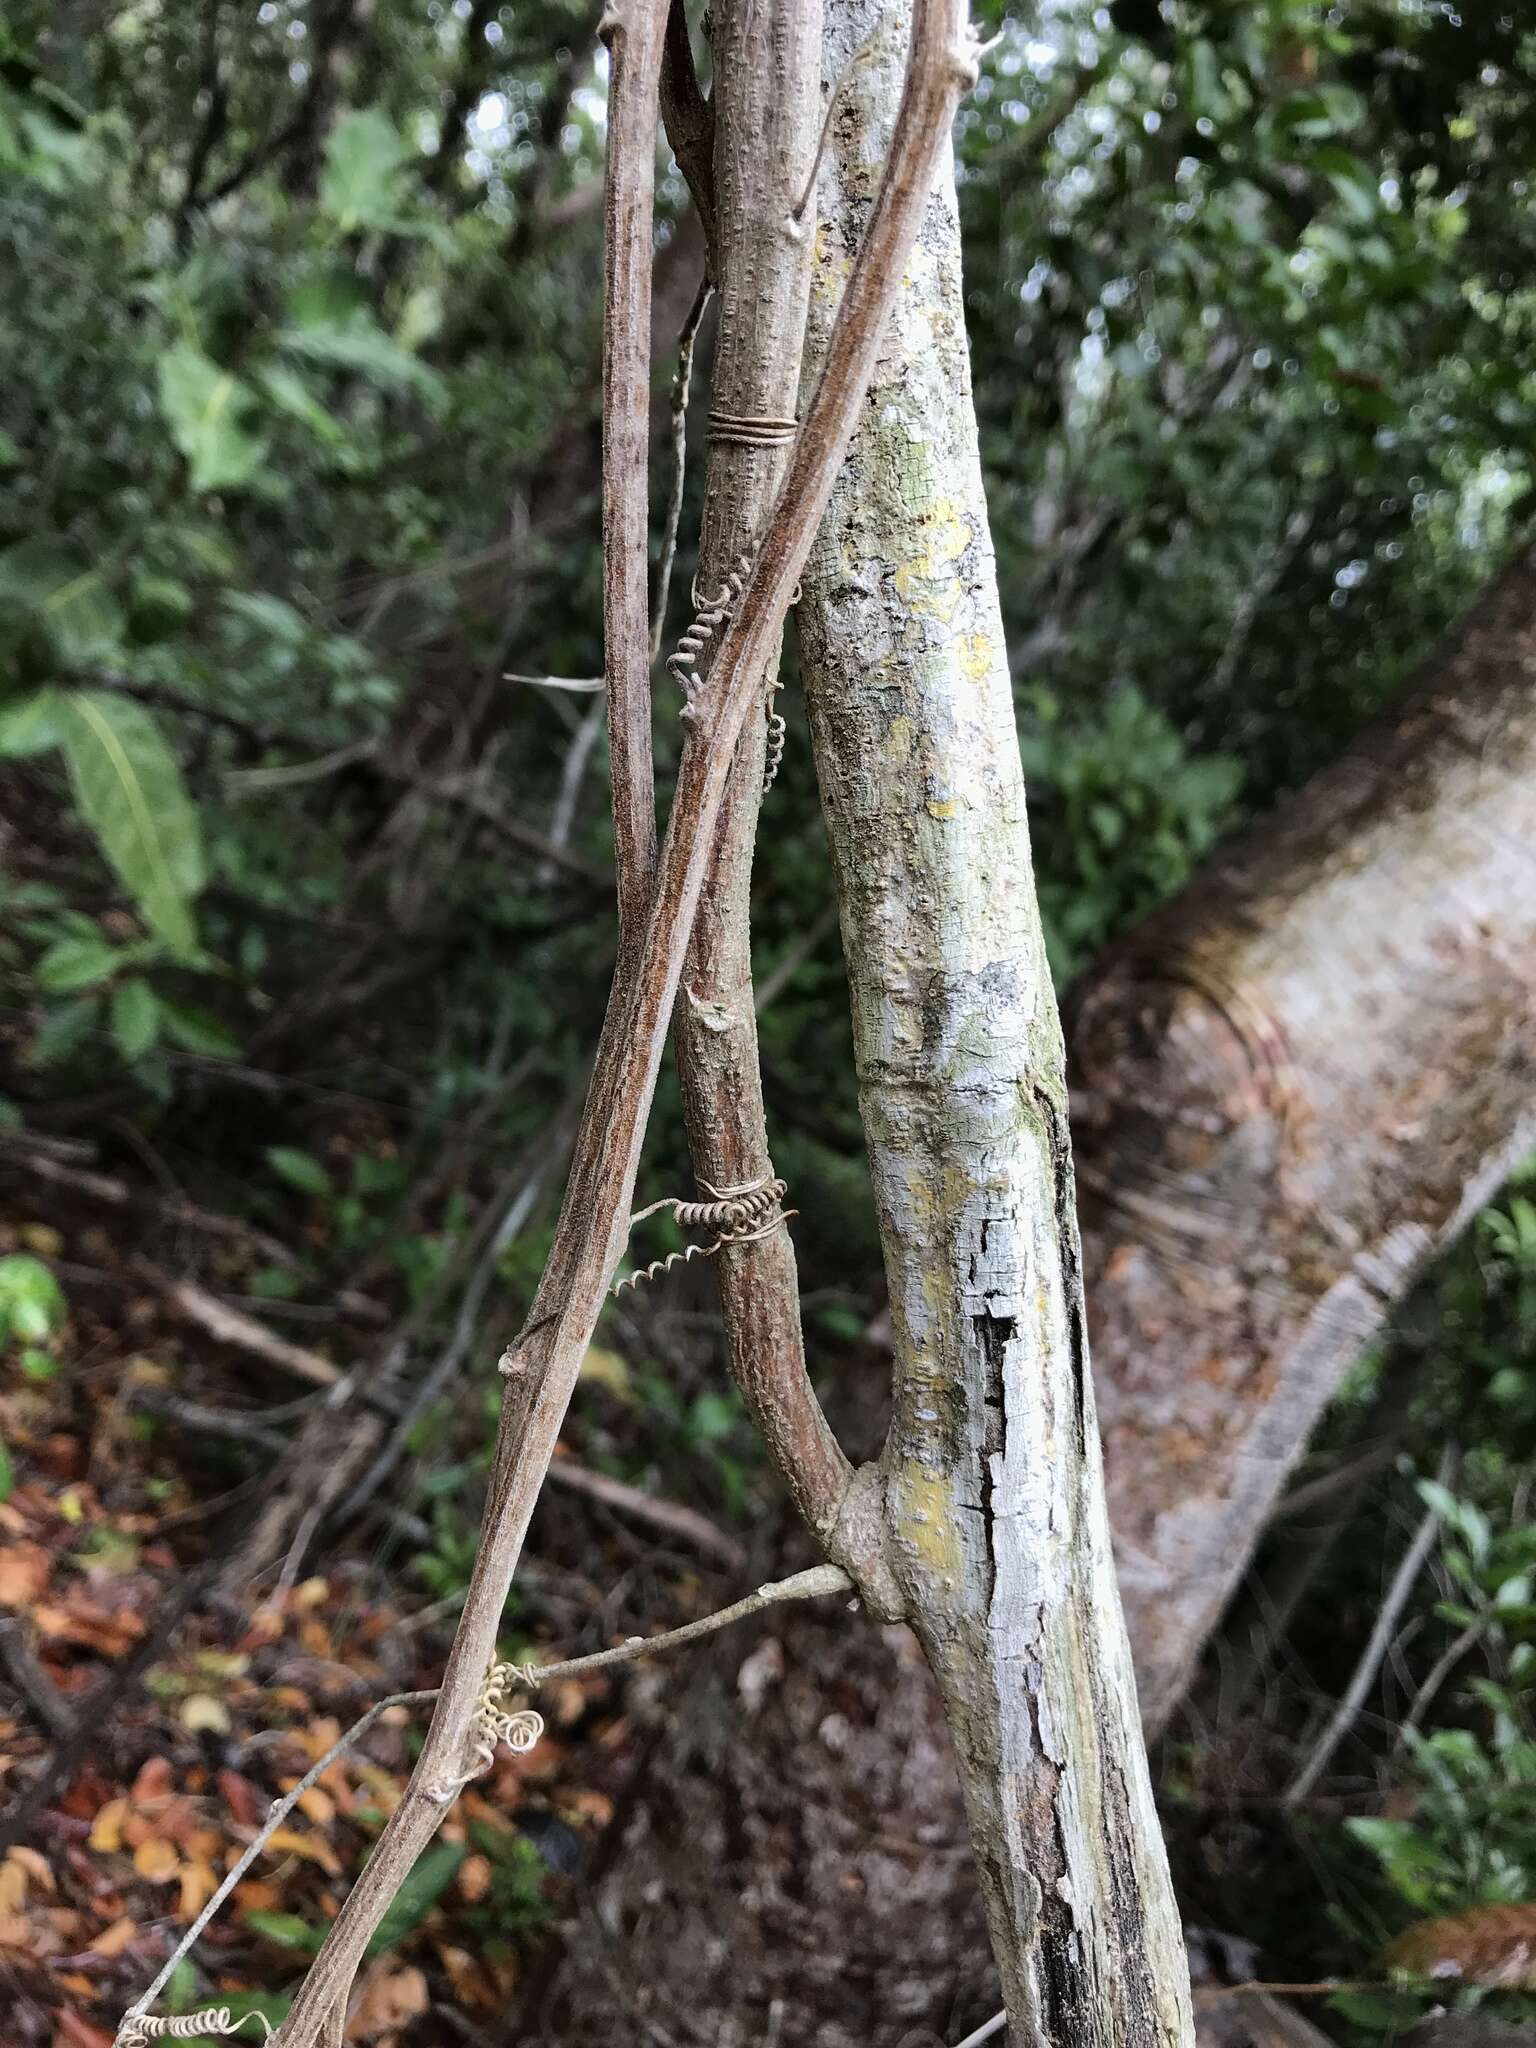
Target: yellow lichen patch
925	1516
978	656
945	807
947	533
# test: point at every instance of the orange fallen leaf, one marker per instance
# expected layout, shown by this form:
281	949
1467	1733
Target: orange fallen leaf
157	1860
1490	1945
198	1885
13	1887
154	1781
106	1836
24	1570
114	1939
311	1847
36	1865
17	1932
474	1879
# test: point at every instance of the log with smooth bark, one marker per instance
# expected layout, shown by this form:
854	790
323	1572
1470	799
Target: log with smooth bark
990	1489
1291	1088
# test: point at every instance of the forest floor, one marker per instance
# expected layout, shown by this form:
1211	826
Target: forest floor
176	1734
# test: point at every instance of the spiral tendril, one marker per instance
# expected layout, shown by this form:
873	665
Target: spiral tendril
739	1215
493	1724
143	2027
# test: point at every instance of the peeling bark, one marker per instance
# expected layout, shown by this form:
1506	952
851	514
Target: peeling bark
993	1503
1291	1089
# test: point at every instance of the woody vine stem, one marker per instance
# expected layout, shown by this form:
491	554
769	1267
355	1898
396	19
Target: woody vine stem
657	897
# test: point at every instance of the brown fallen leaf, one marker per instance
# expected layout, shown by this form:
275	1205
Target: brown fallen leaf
392	1996
36	1865
1489	1945
313	1848
474	1879
154	1781
13	1887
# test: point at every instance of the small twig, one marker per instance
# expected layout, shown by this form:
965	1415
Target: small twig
1414	1559
1321	1987
681	386
672	1516
587	685
33	1682
985	2031
1439	1672
229	1326
814	1584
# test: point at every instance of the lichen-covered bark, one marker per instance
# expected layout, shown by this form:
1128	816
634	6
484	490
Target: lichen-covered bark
993	1502
1290	1089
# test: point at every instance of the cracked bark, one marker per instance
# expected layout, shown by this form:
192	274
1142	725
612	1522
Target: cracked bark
993	1501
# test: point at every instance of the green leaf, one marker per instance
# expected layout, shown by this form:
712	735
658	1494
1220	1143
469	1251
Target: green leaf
361	346
135	1018
301	1170
51	581
32	1303
30	725
73	964
197	1030
129	788
7	1472
205	408
288	1930
287	390
364	156
430	1877
63	1030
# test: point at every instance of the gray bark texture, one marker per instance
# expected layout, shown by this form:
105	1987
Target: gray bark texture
989	1488
1291	1089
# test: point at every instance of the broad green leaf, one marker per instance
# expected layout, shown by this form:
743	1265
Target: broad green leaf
361	346
30	725
206	409
429	1878
287	1930
196	1030
301	1170
65	1027
129	788
290	394
7	1472
51	580
364	155
32	1303
135	1018
73	964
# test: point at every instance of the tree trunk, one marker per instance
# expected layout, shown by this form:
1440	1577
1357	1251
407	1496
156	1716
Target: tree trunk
1292	1087
989	1483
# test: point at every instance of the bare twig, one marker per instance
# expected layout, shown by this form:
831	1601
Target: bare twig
689	120
634	35
681	385
1414	1559
668	1515
231	1327
32	1681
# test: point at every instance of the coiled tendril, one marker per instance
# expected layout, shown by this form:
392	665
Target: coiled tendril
739	1215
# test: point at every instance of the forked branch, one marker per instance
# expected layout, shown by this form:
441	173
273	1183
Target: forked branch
541	1367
